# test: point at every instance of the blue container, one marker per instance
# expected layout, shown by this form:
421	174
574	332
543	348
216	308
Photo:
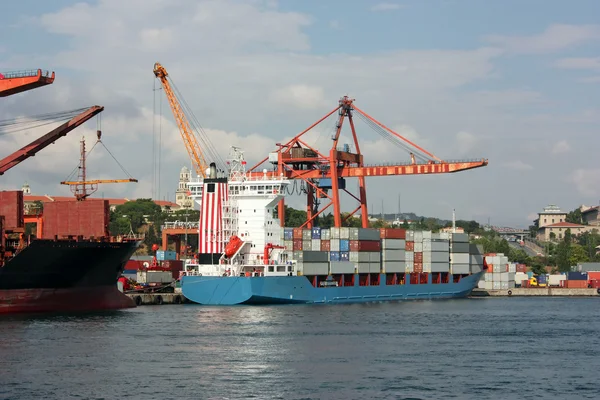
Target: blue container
344	245
316	233
344	256
576	276
529	274
288	234
162	255
542	278
334	256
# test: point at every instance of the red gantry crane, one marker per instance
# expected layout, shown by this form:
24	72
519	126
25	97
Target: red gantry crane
324	174
21	81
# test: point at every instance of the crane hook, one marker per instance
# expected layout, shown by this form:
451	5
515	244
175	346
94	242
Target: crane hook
99	134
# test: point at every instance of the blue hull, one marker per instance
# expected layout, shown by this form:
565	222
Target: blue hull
216	290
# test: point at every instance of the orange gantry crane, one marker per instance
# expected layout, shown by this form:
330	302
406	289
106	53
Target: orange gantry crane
324	174
21	81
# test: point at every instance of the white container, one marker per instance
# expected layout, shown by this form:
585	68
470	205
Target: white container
410	256
489	285
418	237
393	244
334	245
554	280
393	255
460	258
342	267
512	267
496	285
496	277
375	257
418	247
394	266
344	232
426	235
488	276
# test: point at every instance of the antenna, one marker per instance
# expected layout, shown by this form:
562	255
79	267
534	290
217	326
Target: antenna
453	220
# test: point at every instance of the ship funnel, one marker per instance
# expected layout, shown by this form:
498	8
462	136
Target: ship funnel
213	171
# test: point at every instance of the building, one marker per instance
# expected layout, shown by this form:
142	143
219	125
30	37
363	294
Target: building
546	232
182	195
449	229
590	215
551	215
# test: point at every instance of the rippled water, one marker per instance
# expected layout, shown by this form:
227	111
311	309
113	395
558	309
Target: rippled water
466	349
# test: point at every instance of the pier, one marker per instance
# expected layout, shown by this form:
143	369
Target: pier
527	292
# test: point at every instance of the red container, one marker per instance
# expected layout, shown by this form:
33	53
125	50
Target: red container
366	245
418	267
297	244
593	275
418	257
11	207
1	231
410	246
392	233
89	218
576	284
594	283
325	245
354	245
174	266
521	268
297	233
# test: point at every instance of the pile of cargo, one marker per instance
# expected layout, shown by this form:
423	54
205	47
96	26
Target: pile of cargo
500	273
576	280
345	250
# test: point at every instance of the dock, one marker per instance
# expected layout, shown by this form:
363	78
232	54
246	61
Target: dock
527	292
146	299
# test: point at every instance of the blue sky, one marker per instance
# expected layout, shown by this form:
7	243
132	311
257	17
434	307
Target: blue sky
512	81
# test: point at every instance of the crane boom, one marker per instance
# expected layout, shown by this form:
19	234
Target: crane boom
32	148
187	134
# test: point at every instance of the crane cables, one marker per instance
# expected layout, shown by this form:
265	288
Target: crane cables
205	142
395	140
24	123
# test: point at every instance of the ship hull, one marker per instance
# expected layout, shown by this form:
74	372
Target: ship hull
299	290
80	299
65	276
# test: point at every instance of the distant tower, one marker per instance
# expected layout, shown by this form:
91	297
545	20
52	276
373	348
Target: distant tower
182	195
26	189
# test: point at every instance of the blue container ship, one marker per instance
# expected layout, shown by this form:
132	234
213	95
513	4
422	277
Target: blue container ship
246	257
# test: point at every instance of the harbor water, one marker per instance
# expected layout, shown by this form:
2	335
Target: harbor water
489	348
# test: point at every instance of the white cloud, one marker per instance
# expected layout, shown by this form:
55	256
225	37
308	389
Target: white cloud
561	147
386	7
578	63
518	165
554	38
303	96
466	143
586	182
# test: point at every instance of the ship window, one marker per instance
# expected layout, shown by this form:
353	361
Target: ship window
281	268
289	268
271	268
252	187
210	188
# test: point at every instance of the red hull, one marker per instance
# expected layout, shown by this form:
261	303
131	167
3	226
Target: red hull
63	300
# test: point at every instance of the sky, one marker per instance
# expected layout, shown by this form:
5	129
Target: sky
515	82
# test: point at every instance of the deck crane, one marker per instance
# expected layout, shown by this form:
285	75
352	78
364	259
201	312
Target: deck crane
83	188
324	173
190	136
22	81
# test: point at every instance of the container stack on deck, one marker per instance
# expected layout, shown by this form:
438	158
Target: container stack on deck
347	250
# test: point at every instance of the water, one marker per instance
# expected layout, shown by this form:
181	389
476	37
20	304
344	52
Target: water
503	348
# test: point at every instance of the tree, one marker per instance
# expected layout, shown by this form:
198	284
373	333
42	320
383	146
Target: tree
563	253
552	236
405	224
575	217
578	255
537	266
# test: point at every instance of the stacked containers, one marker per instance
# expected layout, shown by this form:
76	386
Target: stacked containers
498	276
576	280
364	248
476	258
459	258
393	250
435	253
288	238
410	252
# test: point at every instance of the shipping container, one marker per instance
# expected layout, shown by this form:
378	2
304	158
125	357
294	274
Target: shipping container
418	257
418	238
325	234
368	234
297	233
393	255
418	247
345	233
459	258
460	269
342	267
436	245
315	268
393	244
410	236
316	245
288	233
11	207
460	238
289	244
163	255
436	256
375	268
356	256
363	268
306	234
507	276
521	268
593	275
542	279
555	280
298	255
392	233
307	245
88	218
334	233
175	266
297	244
410	246
427	235
334	256
365	245
460	247
512	267
316	232
154	276
576	284
476	268
325	245
344	245
394	266
577	276
344	256
315	256
410	256
374	257
334	244
418	267
586	267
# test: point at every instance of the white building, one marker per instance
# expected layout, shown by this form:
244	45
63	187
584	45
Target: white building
182	195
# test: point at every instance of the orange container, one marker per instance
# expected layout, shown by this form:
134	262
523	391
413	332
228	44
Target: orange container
409	246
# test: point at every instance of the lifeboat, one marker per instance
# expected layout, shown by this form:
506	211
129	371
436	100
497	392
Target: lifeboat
233	246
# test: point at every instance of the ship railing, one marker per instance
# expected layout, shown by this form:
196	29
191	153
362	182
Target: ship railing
181	225
24	73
